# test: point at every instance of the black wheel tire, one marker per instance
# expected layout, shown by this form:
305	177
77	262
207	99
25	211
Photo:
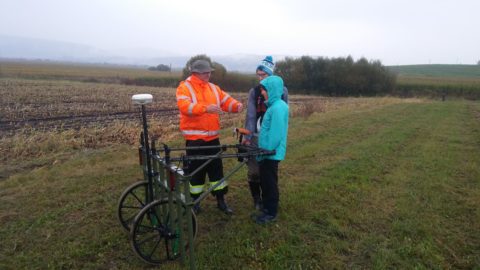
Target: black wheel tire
131	202
152	240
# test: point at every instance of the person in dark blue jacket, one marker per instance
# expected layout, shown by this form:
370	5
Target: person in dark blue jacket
273	136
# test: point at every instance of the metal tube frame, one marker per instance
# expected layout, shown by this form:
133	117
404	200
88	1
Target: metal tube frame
165	180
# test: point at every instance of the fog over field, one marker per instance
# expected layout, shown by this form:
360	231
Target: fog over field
13	47
237	34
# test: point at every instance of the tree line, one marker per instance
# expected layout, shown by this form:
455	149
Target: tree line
160	67
321	76
305	75
336	76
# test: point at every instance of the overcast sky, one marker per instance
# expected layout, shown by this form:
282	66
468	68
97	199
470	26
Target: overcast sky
394	32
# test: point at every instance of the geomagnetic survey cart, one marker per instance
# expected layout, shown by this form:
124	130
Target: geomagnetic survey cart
157	212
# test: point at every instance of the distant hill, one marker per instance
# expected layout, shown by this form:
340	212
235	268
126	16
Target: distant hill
13	47
467	71
32	48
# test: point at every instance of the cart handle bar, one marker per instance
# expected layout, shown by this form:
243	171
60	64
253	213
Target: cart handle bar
223	147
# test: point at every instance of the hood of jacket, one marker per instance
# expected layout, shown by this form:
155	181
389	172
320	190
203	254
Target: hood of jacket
274	86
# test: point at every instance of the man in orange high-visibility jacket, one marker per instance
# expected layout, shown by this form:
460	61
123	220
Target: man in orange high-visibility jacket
200	104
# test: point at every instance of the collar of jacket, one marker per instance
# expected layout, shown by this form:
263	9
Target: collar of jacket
195	80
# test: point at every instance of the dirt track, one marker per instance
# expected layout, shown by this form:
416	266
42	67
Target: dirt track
79	121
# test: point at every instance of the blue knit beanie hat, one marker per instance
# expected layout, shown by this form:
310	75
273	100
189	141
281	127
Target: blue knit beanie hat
267	65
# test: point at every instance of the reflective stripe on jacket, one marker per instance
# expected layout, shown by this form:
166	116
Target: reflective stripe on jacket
193	97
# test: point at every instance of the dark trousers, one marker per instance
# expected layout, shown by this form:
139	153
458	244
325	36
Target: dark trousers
214	169
269	184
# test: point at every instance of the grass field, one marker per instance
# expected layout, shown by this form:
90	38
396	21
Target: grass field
375	184
50	117
431	81
75	72
438	81
438	71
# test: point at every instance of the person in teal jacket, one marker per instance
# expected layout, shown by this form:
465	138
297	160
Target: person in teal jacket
273	136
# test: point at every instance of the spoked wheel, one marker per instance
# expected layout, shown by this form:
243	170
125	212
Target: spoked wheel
132	201
155	232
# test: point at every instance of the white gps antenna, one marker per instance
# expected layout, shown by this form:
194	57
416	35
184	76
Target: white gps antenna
142	99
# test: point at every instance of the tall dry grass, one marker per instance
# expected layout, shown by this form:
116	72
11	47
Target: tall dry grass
31	143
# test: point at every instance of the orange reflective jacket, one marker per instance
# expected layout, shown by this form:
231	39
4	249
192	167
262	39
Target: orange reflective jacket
193	97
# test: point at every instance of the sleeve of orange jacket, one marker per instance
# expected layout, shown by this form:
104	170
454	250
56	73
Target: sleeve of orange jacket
184	102
228	103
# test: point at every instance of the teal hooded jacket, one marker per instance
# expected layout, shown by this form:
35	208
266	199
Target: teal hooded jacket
274	129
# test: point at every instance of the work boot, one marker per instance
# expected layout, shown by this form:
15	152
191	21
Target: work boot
256	214
265	219
222	205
